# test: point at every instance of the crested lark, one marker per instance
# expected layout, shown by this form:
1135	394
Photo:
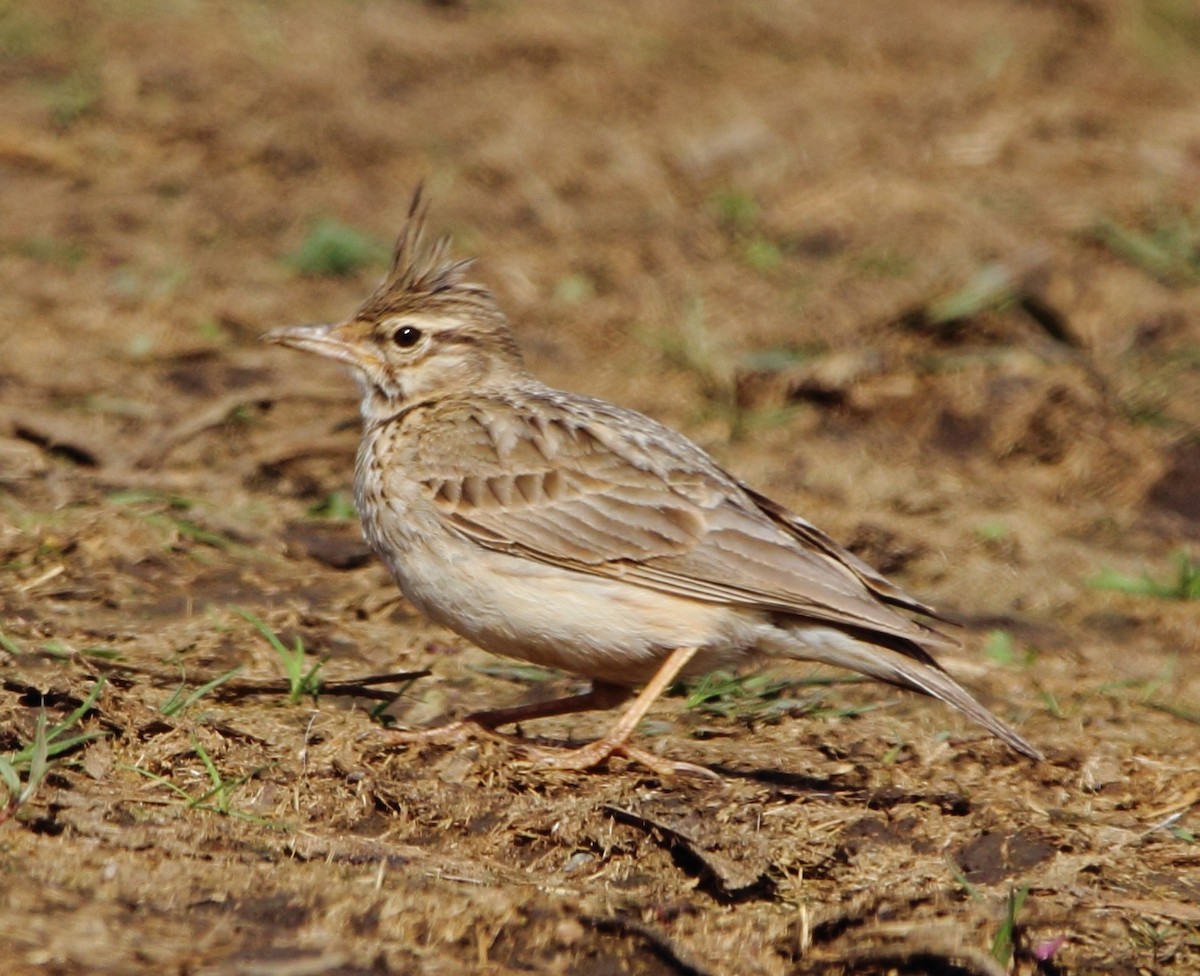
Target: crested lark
566	531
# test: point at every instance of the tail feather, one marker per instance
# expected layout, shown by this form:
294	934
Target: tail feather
829	646
940	685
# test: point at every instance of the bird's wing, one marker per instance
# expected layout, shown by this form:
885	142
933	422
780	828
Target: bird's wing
808	534
629	499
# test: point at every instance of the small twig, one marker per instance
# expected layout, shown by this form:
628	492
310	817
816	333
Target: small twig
305	448
55	436
349	687
662	946
726	880
193	426
248	687
915	946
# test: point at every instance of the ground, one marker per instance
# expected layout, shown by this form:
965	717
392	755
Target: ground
925	272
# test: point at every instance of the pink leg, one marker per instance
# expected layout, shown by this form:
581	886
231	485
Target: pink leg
614	741
602	696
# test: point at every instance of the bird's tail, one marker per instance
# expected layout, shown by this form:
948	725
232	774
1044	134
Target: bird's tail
829	646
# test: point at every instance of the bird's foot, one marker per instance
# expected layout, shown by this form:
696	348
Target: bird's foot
550	757
594	753
450	734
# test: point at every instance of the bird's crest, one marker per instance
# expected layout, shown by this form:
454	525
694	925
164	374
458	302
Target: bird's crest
421	272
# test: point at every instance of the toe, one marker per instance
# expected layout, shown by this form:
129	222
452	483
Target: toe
594	753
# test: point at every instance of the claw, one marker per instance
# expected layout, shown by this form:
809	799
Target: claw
591	755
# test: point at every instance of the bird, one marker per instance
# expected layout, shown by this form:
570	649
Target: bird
569	532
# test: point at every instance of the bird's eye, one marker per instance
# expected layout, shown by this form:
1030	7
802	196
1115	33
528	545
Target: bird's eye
407	337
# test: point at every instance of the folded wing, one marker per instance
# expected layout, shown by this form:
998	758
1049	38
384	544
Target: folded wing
577	492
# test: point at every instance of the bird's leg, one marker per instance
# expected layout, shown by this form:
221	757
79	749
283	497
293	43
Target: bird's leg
614	741
601	696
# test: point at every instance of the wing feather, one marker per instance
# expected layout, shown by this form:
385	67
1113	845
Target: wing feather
599	495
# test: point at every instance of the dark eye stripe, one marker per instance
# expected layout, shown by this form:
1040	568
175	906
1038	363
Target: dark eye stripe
457	338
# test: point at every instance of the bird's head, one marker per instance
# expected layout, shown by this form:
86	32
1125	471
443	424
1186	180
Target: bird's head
424	333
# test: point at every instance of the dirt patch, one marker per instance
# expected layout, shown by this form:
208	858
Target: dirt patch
926	273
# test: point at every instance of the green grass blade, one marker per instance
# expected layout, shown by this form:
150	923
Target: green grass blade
39	759
57	747
310	684
1184	586
177	703
300	682
1002	944
209	766
84	707
1178	711
9	777
156	778
961	878
262	628
7	643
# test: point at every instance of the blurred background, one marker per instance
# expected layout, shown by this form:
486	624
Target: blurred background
928	273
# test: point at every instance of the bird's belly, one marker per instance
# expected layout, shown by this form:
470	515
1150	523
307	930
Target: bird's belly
599	627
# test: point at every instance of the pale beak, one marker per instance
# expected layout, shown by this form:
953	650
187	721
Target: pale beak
332	341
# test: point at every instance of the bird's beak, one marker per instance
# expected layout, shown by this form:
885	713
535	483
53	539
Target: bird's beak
340	342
